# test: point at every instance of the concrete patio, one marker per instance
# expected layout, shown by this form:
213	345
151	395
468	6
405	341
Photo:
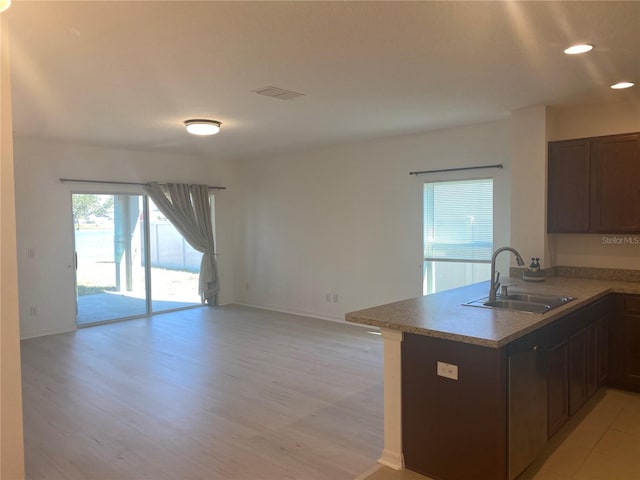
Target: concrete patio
100	307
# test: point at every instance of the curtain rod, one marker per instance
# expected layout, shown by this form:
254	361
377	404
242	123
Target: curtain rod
423	172
110	182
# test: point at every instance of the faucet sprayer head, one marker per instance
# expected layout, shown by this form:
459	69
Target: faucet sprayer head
519	260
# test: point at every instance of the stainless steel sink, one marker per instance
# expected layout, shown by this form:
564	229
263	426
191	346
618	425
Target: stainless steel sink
553	300
530	307
522	302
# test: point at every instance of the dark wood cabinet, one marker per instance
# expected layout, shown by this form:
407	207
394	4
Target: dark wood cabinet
602	314
593	185
566	368
615	184
445	420
593	357
577	370
568	186
506	402
631	348
624	343
557	386
603	361
576	360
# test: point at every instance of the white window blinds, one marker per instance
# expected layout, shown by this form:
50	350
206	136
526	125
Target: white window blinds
458	221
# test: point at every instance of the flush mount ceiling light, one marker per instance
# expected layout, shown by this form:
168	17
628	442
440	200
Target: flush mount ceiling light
578	49
4	4
202	127
621	85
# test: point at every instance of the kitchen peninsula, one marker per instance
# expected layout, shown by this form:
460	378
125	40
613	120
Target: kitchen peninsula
474	393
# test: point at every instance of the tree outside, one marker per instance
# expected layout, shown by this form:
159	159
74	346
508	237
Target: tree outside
88	206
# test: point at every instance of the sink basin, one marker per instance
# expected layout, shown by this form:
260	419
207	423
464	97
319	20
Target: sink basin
531	307
553	300
523	302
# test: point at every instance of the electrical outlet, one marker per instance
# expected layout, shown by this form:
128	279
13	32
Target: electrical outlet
447	370
33	311
335	298
327	297
31	252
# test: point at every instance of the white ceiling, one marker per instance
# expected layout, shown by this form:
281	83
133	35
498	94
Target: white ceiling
127	74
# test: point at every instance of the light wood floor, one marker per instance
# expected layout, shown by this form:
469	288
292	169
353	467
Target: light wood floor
227	393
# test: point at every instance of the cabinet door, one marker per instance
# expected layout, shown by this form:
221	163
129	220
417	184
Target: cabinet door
632	349
593	357
624	344
603	312
568	186
577	370
615	184
599	314
603	351
557	386
615	376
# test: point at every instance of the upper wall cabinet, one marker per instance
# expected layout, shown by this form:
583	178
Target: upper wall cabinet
568	186
615	184
594	185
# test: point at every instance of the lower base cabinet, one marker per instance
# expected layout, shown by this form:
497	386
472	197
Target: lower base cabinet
494	420
454	429
557	386
578	367
576	360
624	344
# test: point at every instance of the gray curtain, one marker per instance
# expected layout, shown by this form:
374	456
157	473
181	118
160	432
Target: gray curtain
189	210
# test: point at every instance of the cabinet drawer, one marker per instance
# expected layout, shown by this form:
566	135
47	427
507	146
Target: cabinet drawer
602	308
632	303
563	328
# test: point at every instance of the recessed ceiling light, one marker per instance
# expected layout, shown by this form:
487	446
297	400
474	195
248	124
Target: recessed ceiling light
4	4
579	48
621	85
202	127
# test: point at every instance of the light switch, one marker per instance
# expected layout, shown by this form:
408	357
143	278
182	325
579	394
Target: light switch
447	370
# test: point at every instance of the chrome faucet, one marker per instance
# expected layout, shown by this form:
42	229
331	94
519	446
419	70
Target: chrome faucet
495	284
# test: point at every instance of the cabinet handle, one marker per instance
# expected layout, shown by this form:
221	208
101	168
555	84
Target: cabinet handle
535	348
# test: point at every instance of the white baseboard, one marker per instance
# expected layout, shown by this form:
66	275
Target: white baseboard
302	313
225	300
42	333
272	308
391	459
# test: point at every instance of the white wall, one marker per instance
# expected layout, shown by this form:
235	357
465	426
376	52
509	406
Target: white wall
11	433
348	219
528	183
595	120
44	222
344	220
589	250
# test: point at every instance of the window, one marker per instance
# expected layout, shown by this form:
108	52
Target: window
458	233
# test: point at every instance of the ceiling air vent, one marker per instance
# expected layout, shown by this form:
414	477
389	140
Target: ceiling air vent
278	93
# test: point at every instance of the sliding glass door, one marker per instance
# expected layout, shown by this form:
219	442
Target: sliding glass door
109	242
129	263
175	265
